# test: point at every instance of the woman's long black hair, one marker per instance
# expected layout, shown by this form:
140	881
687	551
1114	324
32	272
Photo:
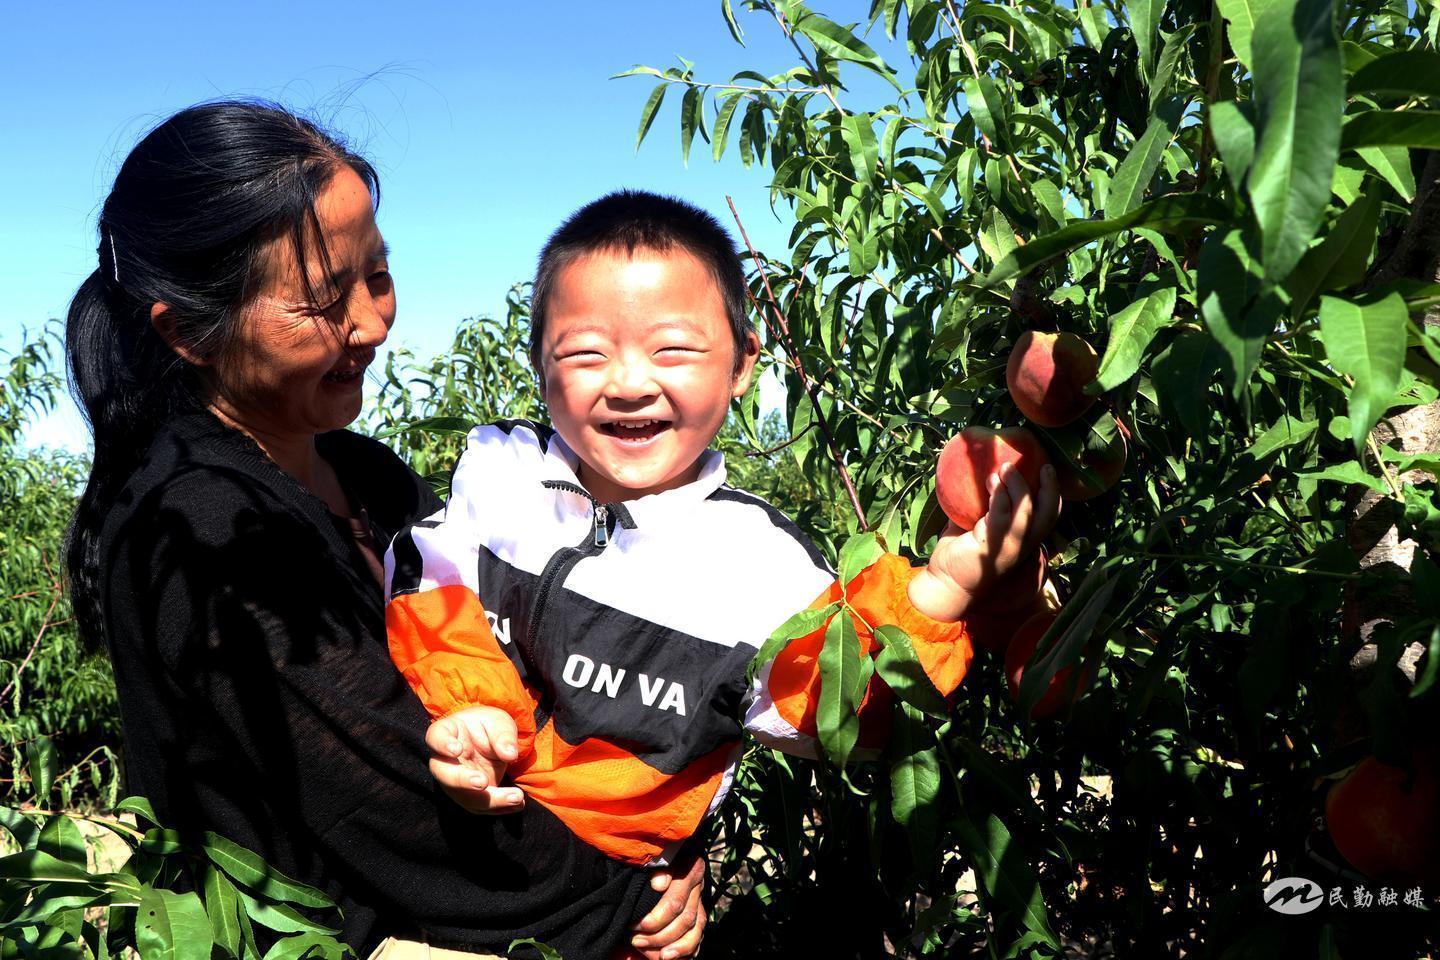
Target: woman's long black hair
193	209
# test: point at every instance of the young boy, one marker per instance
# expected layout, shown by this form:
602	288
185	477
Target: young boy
580	617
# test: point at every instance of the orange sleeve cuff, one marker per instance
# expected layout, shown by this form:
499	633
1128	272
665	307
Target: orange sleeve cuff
444	647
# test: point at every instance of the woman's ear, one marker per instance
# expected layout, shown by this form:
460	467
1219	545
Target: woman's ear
163	319
745	365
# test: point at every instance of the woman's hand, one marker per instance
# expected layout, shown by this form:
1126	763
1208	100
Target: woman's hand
676	925
470	751
964	564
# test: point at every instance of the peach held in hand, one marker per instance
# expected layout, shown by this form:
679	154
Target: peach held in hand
967	462
1047	375
1058	694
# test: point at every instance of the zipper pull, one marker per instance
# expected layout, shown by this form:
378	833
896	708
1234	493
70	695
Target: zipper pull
602	532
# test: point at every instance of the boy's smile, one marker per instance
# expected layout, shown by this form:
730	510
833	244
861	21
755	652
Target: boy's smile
639	367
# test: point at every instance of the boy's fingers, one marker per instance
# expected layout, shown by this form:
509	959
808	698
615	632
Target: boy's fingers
458	783
681	936
443	737
492	731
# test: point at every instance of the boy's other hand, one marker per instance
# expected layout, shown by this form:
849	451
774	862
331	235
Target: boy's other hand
675	926
965	563
470	751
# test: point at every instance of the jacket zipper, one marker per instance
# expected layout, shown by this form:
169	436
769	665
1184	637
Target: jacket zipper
605	517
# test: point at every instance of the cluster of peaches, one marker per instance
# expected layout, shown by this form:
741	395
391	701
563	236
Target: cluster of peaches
1047	376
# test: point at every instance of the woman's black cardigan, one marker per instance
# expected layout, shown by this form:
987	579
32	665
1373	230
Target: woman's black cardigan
258	701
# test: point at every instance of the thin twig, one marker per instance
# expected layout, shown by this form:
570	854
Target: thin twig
935	231
805	382
777	449
747	88
805	57
44	625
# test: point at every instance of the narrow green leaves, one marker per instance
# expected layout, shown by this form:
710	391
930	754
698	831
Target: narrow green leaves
900	668
1300	96
1407	128
801	624
248	870
988	110
859	136
1409	72
1139	166
1001	868
1239	313
1131	331
1366	341
915	780
647	113
172	926
1234	136
1242	16
859	552
1341	258
1145	26
843	675
836	41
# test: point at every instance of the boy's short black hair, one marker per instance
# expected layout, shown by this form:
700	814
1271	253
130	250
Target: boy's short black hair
634	219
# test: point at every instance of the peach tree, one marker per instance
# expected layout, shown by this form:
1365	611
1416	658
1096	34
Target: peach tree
1234	203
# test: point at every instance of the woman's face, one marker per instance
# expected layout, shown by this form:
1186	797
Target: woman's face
296	367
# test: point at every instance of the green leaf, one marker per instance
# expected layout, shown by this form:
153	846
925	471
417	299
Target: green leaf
1001	867
33	866
1145	26
801	624
858	553
1300	96
1234	136
546	951
1242	16
1167	212
1350	472
172	926
1379	128
1131	331
988	110
140	807
1366	341
692	117
43	765
722	125
1239	312
439	425
1341	259
735	32
21	827
1138	169
915	780
841	684
1410	72
222	905
1170	57
648	112
859	137
252	873
308	946
835	41
1066	638
1393	165
280	917
1431	672
61	838
901	669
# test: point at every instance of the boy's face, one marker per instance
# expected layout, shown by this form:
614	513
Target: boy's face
639	367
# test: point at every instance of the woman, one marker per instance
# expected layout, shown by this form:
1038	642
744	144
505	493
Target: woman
228	545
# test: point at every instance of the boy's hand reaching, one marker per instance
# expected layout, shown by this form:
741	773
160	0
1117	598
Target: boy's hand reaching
964	563
470	751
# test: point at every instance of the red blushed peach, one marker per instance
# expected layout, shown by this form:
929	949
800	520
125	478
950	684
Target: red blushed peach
1384	821
992	630
968	460
1017	589
1022	646
1047	375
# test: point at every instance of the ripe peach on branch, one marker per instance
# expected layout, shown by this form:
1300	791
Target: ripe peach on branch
1047	375
969	459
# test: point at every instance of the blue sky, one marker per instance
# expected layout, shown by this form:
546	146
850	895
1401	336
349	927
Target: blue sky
488	123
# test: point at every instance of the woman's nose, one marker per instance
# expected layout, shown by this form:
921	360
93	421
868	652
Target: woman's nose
370	319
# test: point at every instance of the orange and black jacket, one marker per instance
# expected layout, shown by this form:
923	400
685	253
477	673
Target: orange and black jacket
619	635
